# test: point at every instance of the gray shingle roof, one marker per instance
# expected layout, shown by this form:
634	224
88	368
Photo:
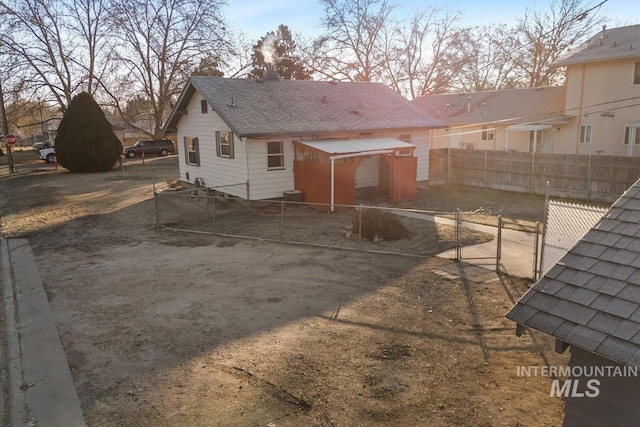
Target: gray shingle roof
510	106
254	107
614	43
591	298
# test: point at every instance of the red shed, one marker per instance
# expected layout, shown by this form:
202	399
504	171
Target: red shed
325	170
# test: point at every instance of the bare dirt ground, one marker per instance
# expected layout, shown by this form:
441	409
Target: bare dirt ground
171	329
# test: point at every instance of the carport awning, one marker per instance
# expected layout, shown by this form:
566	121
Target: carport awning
528	128
353	146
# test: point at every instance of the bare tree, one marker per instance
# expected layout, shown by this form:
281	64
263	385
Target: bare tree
57	44
487	64
160	42
423	53
542	36
38	36
351	48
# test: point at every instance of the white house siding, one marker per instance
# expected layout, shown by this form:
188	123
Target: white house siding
596	85
265	183
422	141
368	172
213	170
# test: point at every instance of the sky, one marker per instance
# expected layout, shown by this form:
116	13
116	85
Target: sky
257	17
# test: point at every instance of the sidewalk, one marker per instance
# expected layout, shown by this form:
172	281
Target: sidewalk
41	389
517	247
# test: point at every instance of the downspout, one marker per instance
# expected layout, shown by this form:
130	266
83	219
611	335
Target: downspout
581	110
347	156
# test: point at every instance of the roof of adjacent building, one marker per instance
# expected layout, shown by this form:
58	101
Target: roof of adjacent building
591	297
352	146
608	44
257	107
509	106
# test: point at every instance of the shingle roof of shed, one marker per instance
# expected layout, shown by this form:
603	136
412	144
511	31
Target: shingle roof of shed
614	43
591	297
509	106
254	107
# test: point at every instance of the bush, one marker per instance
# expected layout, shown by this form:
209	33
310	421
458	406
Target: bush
380	223
85	141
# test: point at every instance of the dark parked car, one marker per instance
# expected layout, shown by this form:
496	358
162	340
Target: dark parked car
159	147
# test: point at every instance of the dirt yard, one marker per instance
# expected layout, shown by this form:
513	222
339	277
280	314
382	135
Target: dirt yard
172	329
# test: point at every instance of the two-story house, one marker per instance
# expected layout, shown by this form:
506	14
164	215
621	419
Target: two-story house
603	93
597	112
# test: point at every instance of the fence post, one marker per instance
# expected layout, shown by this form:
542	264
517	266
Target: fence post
155	200
533	164
359	224
486	155
282	220
458	235
449	165
214	213
499	244
536	270
589	180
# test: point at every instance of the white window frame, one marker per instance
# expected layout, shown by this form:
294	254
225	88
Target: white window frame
204	106
224	146
627	134
585	134
274	155
487	133
192	150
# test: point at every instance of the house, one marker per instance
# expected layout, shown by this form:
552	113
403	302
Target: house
596	112
603	87
590	302
259	138
515	119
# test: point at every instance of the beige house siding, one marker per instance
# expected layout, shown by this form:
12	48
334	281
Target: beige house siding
599	87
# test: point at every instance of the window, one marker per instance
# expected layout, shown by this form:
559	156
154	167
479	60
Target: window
192	151
275	155
636	73
487	133
585	134
224	144
632	133
204	106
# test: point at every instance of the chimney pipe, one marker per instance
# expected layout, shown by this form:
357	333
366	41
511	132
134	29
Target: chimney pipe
270	74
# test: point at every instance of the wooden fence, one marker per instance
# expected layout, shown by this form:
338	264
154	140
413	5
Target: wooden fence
583	177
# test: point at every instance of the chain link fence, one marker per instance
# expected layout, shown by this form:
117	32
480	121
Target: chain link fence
566	224
408	232
480	238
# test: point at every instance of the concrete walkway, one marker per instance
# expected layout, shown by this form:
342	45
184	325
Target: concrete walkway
517	247
41	388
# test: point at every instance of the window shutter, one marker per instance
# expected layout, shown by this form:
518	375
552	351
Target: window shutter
218	144
186	151
196	142
231	145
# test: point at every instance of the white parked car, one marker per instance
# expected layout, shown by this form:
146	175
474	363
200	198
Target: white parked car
48	154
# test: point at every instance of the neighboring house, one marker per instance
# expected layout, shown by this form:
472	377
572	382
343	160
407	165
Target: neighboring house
515	119
259	138
597	112
126	133
590	301
603	87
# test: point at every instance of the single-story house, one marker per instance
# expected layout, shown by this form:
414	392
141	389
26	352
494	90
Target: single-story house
590	302
513	119
259	138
